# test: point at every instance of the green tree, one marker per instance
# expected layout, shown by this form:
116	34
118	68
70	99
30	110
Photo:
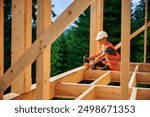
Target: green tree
60	56
137	44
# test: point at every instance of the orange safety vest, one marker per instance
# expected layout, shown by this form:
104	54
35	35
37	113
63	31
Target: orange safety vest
112	60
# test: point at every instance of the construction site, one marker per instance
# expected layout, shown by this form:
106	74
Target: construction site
72	84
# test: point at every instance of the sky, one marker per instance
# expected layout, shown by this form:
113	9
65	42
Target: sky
61	5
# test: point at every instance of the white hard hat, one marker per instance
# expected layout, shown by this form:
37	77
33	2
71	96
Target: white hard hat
101	35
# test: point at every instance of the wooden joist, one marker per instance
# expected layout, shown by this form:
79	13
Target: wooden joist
143	78
93	74
70	89
89	94
107	93
143	94
103	80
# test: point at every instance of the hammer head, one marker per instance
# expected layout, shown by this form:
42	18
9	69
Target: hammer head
85	60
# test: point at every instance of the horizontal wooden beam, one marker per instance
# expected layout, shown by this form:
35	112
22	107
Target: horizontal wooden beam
144	67
44	40
115	76
75	75
143	78
70	89
93	74
89	94
107	93
143	94
103	80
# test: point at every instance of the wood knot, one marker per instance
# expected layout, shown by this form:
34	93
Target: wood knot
70	12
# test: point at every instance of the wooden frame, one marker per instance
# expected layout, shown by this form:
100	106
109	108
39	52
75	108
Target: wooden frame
43	61
68	84
42	42
21	41
96	24
125	49
1	37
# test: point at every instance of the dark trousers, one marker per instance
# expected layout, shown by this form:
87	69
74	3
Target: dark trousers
102	65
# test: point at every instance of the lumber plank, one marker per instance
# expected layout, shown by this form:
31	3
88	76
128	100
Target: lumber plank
145	31
125	49
1	37
43	61
132	82
70	89
133	94
143	94
107	92
93	74
89	94
21	41
96	24
143	78
45	39
103	80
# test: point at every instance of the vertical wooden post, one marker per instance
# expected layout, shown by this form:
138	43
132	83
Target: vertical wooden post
96	24
1	37
145	32
1	40
125	49
43	61
21	41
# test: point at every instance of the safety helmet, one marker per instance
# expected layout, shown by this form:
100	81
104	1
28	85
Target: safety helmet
101	35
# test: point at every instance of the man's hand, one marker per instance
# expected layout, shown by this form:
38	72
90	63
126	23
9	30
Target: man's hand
87	66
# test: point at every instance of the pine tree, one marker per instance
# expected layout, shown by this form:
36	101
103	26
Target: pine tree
60	56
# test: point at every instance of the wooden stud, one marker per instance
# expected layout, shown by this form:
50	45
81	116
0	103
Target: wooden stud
43	61
1	37
145	32
28	42
125	49
89	94
43	41
96	24
1	41
21	41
